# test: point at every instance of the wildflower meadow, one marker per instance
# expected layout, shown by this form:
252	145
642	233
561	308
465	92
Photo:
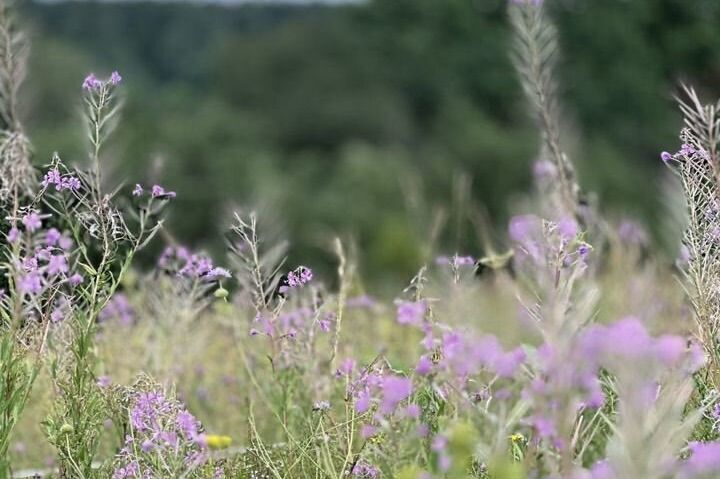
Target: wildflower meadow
566	346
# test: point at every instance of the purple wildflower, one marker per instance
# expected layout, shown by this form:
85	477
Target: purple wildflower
365	470
368	431
69	183
115	78
410	312
299	277
91	83
13	235
544	169
57	265
325	323
52	237
104	381
362	301
138	190
32	221
568	228
57	315
31	283
395	389
217	273
424	366
52	177
118	308
159	192
705	459
632	233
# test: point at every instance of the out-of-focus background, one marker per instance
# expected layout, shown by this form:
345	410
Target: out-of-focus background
363	118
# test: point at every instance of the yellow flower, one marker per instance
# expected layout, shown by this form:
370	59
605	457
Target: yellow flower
215	441
517	437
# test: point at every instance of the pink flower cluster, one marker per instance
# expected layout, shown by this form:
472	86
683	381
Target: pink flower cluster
53	177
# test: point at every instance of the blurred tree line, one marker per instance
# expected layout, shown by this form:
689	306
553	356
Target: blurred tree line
358	120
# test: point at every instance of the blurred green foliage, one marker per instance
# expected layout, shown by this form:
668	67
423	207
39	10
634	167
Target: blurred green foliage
326	119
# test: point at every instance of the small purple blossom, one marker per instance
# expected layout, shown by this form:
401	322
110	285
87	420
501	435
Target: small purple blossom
544	169
300	276
57	265
32	221
31	283
104	381
118	308
410	312
365	470
52	177
91	83
424	366
52	237
115	78
159	192
138	190
217	273
13	235
705	459
394	390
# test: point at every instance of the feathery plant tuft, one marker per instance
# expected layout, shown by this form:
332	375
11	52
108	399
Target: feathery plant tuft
696	165
17	176
535	57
